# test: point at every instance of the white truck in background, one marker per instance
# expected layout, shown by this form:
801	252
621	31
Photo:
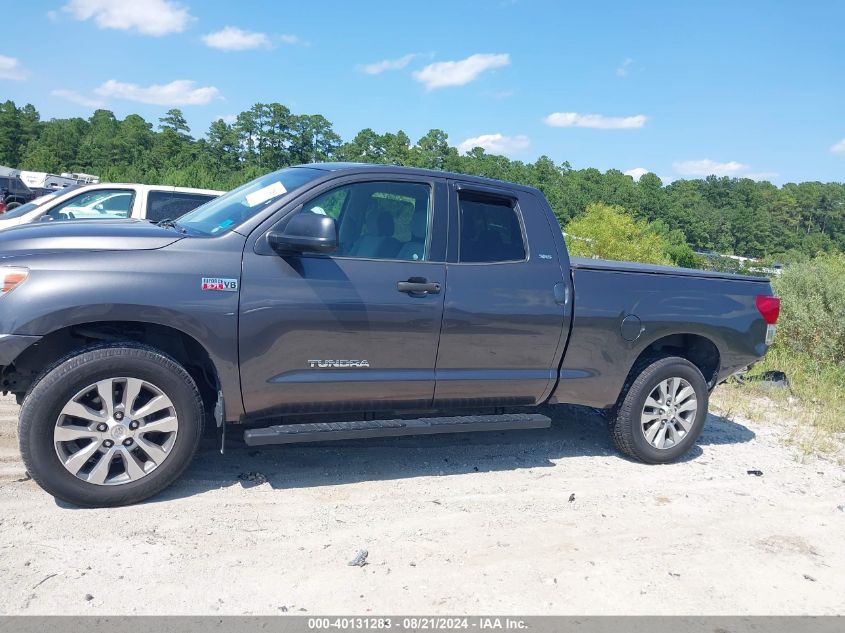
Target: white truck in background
110	201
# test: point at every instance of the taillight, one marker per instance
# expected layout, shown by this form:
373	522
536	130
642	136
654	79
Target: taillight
769	308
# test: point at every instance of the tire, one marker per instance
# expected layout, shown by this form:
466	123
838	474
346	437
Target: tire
12	205
151	456
631	425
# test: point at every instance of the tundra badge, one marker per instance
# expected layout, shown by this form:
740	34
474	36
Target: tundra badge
338	364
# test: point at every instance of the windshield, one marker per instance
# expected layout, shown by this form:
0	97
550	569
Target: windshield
231	209
22	210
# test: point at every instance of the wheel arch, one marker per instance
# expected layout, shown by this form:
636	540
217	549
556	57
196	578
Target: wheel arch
699	350
179	345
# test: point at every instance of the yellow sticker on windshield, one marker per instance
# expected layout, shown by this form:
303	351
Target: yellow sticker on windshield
265	193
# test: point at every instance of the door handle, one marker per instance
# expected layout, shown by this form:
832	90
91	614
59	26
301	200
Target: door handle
418	286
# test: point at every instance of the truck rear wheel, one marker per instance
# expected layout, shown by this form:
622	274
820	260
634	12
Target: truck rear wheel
662	413
110	426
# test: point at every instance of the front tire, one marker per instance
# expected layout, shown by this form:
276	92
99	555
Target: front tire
663	412
110	426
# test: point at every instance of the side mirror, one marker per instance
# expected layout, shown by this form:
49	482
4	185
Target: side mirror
305	233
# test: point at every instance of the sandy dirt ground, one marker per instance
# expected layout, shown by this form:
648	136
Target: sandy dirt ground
529	522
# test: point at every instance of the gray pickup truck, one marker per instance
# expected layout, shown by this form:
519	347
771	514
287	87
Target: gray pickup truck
340	301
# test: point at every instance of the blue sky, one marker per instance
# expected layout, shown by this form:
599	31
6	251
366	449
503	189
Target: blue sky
742	88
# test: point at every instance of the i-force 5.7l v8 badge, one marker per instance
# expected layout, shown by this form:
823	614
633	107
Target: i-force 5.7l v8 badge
222	285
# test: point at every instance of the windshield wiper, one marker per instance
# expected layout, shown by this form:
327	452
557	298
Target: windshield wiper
171	224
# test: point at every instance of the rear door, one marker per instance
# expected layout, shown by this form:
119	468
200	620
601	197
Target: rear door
346	332
506	316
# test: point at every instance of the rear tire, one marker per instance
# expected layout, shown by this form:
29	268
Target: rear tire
663	412
92	453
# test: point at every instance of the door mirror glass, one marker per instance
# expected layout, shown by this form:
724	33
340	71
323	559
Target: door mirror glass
305	233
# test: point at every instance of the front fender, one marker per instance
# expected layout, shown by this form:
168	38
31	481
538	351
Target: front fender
154	287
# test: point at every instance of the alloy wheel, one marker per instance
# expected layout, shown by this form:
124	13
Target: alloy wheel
116	431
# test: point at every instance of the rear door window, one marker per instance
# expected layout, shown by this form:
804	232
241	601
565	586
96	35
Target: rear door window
172	205
490	230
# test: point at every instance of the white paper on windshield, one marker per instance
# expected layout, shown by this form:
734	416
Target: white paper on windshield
265	193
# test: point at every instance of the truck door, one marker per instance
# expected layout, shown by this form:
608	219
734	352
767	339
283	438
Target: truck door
506	316
357	329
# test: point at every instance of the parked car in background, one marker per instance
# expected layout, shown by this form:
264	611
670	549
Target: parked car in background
14	192
110	201
9	216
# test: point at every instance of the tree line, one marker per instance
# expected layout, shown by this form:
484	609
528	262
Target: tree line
728	215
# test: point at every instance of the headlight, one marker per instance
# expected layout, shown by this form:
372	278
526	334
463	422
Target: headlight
12	278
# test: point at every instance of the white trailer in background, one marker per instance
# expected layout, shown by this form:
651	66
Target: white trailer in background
44	180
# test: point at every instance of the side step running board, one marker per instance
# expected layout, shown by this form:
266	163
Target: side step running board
321	432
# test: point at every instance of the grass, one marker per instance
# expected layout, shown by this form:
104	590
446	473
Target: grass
813	406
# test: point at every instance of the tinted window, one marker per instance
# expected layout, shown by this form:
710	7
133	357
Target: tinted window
490	230
26	208
100	204
379	220
13	185
170	205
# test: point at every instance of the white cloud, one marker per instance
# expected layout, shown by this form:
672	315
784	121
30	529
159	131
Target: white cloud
227	118
231	38
459	73
10	68
289	38
496	144
177	93
625	69
706	167
636	173
762	175
597	121
388	64
838	148
79	99
148	17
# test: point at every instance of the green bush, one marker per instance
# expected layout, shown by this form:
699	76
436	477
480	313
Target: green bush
608	232
812	321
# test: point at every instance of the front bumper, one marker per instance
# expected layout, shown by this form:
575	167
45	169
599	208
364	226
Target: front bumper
12	345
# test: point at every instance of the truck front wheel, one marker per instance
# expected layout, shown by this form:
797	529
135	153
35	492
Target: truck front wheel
663	412
110	426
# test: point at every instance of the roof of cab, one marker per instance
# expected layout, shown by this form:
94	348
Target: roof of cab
414	171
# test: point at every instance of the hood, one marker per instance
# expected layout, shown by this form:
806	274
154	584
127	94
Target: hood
9	222
85	235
